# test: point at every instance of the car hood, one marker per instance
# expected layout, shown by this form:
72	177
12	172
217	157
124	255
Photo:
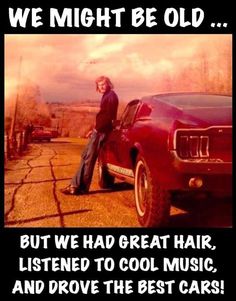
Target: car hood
209	116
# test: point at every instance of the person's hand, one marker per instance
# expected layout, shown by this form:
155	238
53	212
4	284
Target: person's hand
89	134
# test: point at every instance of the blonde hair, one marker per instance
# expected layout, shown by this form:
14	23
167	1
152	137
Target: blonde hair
102	78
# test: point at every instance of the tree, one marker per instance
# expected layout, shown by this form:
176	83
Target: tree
31	107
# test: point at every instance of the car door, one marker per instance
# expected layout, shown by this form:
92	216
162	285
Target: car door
120	140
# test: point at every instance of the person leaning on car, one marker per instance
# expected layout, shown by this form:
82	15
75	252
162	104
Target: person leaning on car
81	181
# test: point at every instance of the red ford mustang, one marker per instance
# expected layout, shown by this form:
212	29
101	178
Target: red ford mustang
170	143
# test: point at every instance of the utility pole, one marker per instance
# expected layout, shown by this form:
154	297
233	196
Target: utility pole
62	121
13	122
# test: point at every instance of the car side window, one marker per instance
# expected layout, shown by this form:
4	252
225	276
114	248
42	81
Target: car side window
129	114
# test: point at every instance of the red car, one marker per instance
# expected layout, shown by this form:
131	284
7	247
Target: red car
170	143
39	133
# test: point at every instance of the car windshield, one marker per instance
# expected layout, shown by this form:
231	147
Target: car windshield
196	100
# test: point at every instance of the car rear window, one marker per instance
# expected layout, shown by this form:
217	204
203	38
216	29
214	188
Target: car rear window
197	100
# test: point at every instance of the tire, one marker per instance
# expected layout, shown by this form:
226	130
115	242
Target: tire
152	202
105	180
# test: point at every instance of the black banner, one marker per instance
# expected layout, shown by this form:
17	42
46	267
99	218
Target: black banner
135	262
152	17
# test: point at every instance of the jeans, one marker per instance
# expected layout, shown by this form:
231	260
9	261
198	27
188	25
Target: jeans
83	177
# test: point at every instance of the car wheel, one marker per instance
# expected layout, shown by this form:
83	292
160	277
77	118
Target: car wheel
105	180
152	202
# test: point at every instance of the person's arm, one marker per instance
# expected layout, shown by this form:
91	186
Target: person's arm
107	113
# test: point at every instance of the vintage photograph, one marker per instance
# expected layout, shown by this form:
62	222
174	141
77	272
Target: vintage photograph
118	130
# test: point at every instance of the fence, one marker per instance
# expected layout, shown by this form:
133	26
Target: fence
15	145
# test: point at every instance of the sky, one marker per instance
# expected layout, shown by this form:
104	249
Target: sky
66	66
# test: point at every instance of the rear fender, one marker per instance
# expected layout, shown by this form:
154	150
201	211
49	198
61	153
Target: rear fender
135	150
163	174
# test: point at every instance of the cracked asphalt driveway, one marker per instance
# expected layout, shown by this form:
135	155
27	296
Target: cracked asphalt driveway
33	197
